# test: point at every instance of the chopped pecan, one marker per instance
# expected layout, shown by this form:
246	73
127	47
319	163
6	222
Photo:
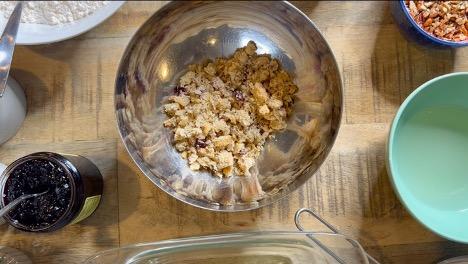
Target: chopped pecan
446	20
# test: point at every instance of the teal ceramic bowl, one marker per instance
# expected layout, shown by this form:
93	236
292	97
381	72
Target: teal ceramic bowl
427	155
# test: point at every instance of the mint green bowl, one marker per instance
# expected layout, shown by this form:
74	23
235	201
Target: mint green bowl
427	155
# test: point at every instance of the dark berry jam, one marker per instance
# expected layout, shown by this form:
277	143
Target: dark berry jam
35	176
200	143
239	96
178	90
73	185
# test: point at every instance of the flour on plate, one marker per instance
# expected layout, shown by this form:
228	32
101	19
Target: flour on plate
52	12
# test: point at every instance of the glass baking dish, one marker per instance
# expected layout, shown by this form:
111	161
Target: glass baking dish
265	247
272	247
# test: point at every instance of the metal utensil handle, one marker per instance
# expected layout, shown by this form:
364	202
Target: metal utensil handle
7	45
297	221
18	200
13	204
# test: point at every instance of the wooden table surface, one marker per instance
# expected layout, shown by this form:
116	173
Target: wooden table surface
70	87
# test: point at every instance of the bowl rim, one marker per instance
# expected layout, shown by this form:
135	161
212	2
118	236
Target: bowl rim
226	208
390	164
427	35
69	30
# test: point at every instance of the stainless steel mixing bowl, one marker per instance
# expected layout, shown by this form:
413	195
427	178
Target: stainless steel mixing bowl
182	33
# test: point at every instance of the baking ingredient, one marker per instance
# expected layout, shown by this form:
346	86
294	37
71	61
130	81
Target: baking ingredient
430	151
52	12
36	176
447	20
223	111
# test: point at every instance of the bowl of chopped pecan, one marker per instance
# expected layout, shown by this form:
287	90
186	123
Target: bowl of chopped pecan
228	106
434	23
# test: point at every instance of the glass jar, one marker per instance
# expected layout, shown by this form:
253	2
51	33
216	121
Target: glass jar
73	184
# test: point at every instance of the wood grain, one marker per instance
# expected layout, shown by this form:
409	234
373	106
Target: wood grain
69	86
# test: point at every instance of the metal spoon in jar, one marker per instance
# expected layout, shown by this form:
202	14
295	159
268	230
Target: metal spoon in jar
7	45
18	200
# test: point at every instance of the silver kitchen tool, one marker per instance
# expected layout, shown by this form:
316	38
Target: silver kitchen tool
7	45
339	257
182	33
18	200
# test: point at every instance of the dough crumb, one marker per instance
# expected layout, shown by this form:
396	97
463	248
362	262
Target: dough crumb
223	111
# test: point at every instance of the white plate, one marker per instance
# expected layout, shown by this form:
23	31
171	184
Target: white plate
33	34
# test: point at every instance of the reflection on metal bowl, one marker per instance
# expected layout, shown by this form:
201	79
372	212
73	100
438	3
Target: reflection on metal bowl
182	33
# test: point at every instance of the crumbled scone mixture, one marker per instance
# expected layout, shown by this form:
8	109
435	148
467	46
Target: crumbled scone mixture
444	19
223	111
